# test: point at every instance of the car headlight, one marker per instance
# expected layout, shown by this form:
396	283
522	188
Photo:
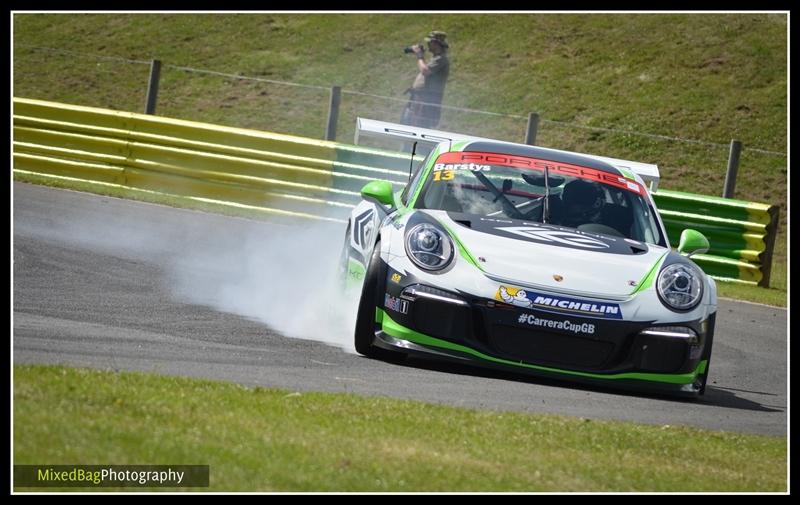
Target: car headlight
680	286
428	247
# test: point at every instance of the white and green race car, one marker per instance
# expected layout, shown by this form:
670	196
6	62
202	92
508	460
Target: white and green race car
533	260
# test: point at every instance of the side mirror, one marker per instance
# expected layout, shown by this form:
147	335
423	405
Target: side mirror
692	242
379	191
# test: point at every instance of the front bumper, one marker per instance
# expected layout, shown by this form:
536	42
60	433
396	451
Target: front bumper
416	318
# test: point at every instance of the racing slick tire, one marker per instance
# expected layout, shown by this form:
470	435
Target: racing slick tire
374	286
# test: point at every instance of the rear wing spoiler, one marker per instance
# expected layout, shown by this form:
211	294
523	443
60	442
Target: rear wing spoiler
382	129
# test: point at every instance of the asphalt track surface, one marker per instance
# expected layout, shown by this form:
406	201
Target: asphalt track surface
91	290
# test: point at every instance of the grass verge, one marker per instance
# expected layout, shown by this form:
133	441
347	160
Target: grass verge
257	439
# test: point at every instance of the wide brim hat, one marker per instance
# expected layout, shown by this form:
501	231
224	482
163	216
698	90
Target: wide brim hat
440	37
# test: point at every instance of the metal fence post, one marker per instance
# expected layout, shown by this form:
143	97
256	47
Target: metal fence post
533	127
333	112
733	168
766	257
152	87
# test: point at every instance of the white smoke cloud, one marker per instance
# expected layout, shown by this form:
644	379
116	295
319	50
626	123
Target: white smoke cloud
283	276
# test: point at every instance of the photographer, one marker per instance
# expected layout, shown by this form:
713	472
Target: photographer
423	107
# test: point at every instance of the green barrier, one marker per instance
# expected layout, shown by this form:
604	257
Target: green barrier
741	234
726	208
725	268
287	175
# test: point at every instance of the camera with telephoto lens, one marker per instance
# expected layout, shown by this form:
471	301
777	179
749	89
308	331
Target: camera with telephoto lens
410	49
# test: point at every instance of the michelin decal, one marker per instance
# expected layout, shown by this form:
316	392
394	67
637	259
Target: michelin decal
550	303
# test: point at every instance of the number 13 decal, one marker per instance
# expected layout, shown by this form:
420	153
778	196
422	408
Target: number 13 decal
444	175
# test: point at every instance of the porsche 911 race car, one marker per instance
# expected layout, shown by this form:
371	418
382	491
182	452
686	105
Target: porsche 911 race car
532	260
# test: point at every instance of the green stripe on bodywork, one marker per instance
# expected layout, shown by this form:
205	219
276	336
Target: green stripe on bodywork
397	330
401	210
701	368
434	154
462	250
355	273
460	145
650	276
626	173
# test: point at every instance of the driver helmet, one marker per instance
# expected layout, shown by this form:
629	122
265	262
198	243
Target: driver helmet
583	201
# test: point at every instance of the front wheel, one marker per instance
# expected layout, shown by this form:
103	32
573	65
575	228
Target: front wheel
373	288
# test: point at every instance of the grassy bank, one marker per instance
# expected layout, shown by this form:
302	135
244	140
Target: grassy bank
711	77
257	439
593	78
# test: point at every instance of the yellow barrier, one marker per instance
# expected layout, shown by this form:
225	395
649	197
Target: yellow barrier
179	157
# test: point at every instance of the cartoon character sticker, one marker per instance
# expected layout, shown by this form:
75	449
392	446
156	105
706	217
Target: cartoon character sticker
552	303
514	296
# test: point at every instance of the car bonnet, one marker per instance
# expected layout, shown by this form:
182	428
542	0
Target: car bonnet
562	259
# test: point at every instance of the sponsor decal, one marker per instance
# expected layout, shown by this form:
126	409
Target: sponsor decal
462	166
355	275
553	167
363	228
632	186
567	325
396	277
551	303
558	236
395	304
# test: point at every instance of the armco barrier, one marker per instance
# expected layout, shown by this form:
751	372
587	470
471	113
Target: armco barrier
303	177
741	234
272	171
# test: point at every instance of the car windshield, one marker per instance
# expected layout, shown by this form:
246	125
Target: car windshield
503	186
